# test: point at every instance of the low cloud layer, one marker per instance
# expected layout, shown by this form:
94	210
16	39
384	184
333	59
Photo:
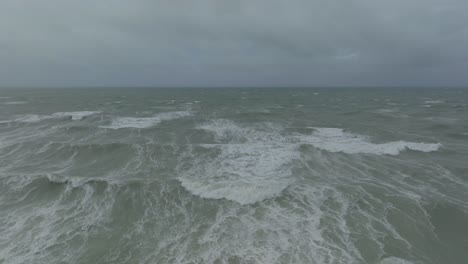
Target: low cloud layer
234	43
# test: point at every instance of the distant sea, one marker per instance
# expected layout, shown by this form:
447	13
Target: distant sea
234	175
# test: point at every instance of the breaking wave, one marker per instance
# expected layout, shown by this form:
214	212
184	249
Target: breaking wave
145	122
434	101
337	140
238	190
251	164
76	115
395	260
75	182
79	115
15	103
248	166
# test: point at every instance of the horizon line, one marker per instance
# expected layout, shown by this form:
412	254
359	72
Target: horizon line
236	87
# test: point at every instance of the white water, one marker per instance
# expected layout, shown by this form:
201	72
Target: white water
252	165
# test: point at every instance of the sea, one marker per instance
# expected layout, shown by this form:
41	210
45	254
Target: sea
234	175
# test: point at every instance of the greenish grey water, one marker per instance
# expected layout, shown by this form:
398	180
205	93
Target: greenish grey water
233	176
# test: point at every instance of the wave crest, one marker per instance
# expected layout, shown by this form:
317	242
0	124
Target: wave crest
79	115
337	140
146	122
242	191
75	182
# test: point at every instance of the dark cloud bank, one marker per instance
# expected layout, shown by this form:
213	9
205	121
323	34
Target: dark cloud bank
234	43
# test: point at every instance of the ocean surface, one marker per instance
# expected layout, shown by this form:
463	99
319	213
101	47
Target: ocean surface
234	176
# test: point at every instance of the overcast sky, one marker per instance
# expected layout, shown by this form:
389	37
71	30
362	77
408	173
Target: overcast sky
234	43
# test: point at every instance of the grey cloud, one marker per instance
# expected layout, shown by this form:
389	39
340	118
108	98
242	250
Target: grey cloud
233	43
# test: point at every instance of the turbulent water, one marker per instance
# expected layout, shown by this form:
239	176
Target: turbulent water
233	176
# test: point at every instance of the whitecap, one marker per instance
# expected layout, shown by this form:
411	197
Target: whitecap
14	103
251	164
79	115
434	102
28	118
145	122
395	260
73	115
74	182
386	110
235	189
86	210
442	120
337	140
245	173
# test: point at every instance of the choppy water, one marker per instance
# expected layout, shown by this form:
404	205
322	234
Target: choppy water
233	176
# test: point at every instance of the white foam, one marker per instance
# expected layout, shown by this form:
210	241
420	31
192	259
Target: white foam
46	221
250	165
386	110
235	189
395	260
79	115
442	120
245	173
277	227
14	103
28	118
224	130
37	118
145	122
337	140
434	101
75	182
